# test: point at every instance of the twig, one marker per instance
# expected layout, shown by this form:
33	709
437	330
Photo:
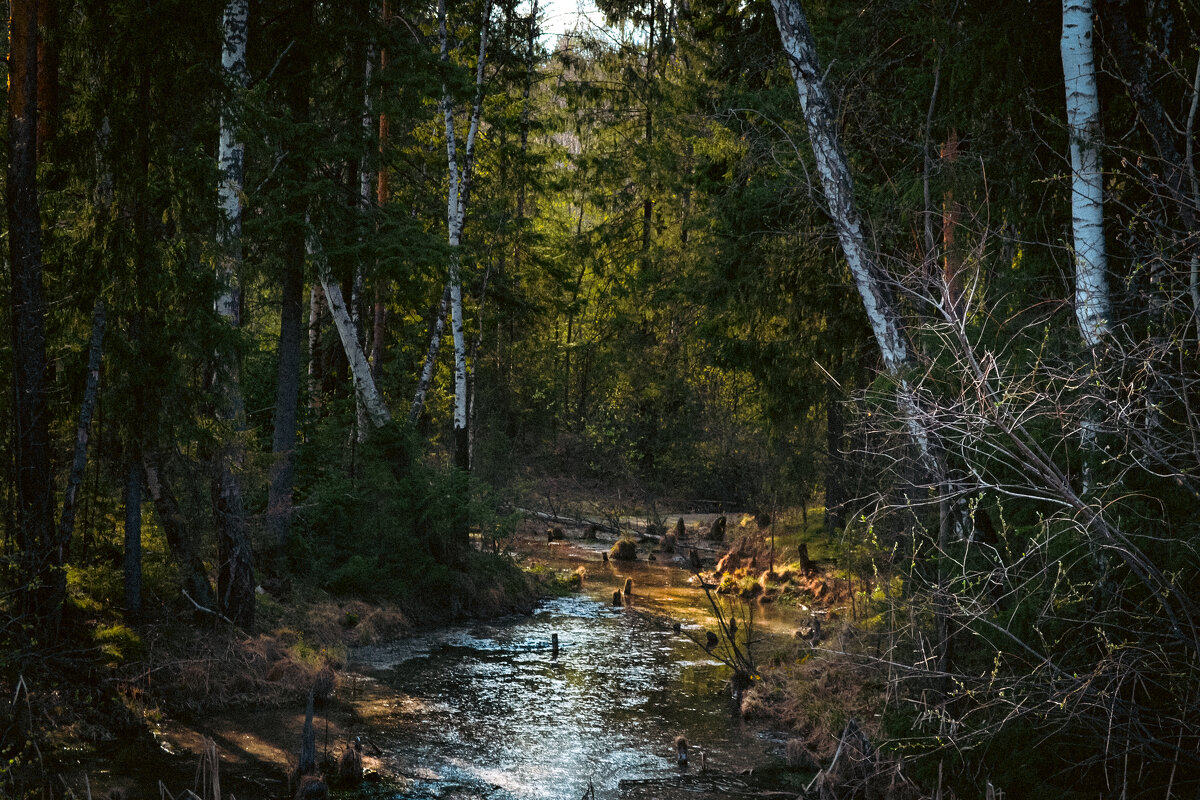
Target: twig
216	614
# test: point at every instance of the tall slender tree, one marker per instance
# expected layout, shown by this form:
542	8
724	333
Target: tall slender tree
1093	306
456	211
287	384
44	581
235	590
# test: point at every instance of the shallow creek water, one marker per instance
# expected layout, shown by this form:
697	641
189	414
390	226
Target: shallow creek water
489	710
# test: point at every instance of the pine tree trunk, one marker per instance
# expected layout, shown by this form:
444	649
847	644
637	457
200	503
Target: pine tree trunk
316	315
47	80
365	187
287	392
236	563
44	586
133	539
291	312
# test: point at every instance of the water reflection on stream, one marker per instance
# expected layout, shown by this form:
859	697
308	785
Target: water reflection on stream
489	711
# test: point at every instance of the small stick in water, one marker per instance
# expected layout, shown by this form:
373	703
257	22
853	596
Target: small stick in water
617	598
554	645
628	586
681	750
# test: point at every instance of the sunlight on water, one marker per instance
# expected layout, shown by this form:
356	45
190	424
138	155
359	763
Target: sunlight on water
488	710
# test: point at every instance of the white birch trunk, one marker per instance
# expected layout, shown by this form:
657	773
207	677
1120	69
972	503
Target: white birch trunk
435	340
456	209
360	368
364	198
235	571
230	155
1093	308
833	168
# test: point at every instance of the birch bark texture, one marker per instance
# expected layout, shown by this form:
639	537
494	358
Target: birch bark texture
235	592
456	212
360	368
431	354
833	168
1093	308
882	310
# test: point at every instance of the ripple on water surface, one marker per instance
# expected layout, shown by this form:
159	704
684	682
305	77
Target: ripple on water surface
504	718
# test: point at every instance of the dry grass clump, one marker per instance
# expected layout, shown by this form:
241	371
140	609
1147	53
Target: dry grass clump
190	670
624	550
814	696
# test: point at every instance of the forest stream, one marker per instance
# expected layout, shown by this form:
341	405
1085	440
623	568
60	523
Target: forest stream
491	710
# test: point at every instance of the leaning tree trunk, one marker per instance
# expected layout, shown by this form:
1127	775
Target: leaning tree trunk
235	590
882	310
881	307
435	341
66	523
183	540
360	368
43	580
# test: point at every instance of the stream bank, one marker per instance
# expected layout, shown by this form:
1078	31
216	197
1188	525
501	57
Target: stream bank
488	709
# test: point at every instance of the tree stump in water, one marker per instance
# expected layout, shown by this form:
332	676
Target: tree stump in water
806	564
350	766
624	550
628	590
617	598
716	531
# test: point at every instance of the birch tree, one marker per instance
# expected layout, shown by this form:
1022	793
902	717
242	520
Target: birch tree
882	310
431	354
236	568
1093	309
360	369
881	307
456	211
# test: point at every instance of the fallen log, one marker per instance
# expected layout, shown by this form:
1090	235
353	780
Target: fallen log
574	522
